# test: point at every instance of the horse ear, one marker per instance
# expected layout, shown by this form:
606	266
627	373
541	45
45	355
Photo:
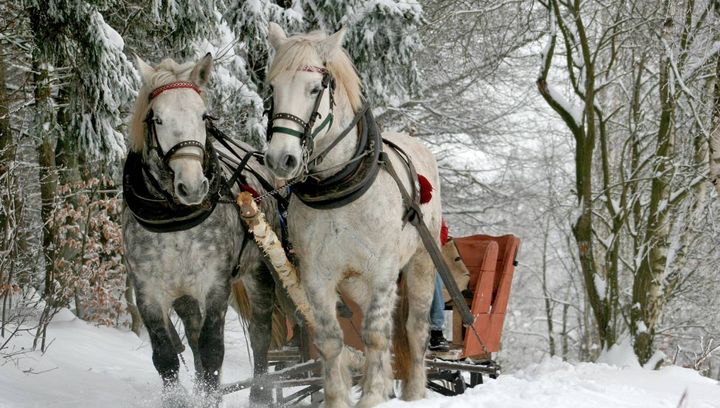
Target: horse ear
276	35
331	45
146	70
200	75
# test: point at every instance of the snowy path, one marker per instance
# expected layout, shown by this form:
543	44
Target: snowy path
87	366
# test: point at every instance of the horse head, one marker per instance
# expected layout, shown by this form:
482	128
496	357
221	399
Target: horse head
168	126
315	89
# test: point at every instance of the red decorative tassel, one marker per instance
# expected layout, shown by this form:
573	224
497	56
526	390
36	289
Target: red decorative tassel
425	189
444	232
247	188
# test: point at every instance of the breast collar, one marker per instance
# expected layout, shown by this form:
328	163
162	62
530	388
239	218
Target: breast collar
155	209
353	180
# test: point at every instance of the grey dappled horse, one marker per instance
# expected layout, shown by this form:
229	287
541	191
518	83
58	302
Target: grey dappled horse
171	186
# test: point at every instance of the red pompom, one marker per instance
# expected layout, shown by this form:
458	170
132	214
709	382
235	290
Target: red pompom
425	189
247	188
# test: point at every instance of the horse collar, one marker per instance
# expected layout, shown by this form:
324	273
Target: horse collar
155	209
353	180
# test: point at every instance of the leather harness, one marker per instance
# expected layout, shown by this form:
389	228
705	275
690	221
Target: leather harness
157	209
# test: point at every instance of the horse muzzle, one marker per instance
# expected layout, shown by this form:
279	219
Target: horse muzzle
283	165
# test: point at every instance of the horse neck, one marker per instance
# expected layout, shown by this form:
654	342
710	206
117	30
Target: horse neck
343	152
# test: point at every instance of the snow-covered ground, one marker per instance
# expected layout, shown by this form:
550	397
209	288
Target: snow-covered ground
88	366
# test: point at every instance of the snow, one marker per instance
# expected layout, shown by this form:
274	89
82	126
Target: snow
620	355
88	366
600	284
112	37
575	111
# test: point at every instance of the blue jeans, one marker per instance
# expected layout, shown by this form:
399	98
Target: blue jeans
437	308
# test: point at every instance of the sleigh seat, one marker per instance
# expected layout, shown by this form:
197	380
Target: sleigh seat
490	262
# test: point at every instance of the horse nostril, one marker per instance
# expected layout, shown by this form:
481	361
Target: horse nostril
205	186
290	161
270	160
182	190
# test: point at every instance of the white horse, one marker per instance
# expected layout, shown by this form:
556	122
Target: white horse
347	220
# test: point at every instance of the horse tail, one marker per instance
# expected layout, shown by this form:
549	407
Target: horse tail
401	344
279	332
240	301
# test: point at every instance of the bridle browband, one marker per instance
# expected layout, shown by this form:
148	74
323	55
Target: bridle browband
307	135
174	152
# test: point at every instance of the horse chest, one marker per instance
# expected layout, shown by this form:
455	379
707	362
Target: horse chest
363	232
186	262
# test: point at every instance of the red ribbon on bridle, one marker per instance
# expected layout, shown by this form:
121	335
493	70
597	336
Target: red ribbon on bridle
174	85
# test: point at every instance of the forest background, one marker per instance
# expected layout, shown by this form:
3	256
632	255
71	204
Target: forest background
590	129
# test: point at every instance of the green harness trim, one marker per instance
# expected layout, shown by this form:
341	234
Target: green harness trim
299	134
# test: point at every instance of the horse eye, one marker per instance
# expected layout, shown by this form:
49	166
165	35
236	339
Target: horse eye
316	90
157	120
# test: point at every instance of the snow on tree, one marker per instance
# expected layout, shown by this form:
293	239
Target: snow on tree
382	40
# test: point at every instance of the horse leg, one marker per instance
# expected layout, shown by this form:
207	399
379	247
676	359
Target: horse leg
189	311
329	343
260	289
210	342
376	335
164	355
420	280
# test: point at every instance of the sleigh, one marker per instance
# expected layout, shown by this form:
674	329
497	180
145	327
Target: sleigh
489	261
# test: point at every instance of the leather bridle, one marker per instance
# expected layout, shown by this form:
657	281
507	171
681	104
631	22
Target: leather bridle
175	152
307	135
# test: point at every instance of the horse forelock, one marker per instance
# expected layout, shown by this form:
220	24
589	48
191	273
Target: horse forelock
296	52
166	71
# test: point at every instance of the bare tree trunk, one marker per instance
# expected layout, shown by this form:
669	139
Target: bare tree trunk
43	132
715	132
8	198
546	293
7	146
649	284
584	131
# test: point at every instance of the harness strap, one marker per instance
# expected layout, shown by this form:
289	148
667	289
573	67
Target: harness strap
321	156
237	174
416	219
226	142
414	196
173	154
